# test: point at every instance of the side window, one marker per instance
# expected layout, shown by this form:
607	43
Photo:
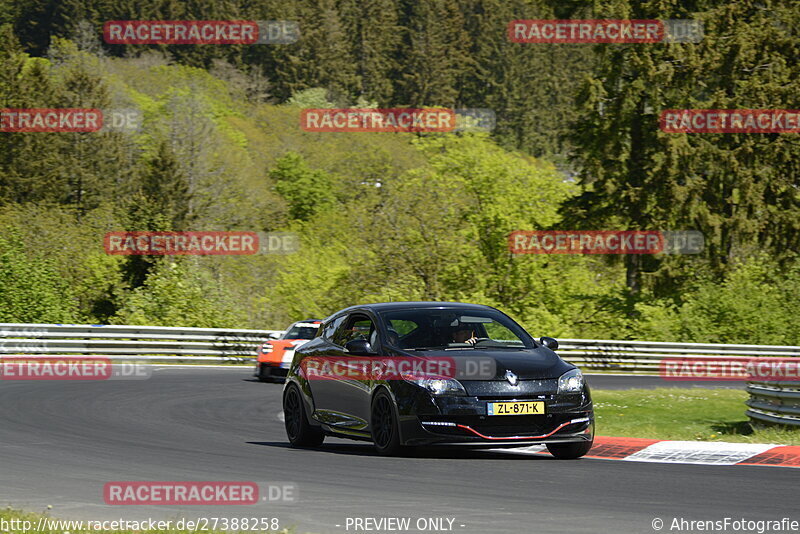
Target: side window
356	327
329	329
373	339
341	334
362	328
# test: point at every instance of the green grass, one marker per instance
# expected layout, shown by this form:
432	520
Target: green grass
682	414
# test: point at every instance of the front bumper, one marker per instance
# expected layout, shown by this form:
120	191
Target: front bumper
574	427
427	419
270	370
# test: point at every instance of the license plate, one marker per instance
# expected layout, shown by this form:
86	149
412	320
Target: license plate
515	408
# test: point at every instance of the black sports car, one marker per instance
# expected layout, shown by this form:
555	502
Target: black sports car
420	373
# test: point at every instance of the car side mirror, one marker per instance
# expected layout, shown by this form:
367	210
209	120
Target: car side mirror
549	342
273	335
359	347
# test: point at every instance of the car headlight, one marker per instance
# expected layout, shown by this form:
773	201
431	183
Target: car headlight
438	386
266	348
571	382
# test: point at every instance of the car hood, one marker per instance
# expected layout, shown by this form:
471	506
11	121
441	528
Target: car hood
527	364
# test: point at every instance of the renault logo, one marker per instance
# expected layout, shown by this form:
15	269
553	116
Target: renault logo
512	378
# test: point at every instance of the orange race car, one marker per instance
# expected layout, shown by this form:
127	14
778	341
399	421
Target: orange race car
275	356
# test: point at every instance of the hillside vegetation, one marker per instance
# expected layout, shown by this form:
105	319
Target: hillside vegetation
400	216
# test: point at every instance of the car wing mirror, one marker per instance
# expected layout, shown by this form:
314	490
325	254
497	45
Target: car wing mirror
549	342
359	347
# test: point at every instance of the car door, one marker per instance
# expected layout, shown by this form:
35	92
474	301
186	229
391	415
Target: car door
340	393
322	391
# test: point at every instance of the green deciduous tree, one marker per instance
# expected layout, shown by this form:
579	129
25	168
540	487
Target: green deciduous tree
31	290
180	293
306	190
715	312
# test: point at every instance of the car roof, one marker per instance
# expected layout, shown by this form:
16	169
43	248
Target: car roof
391	306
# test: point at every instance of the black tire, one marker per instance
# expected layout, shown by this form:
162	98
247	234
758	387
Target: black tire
569	451
299	431
384	426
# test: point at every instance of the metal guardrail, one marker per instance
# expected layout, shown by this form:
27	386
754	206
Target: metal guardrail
774	402
130	342
646	357
770	402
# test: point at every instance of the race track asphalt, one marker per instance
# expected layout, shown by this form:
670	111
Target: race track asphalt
60	442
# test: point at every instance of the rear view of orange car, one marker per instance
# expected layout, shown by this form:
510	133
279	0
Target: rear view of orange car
275	356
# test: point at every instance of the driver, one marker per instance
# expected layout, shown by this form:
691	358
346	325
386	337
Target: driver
463	334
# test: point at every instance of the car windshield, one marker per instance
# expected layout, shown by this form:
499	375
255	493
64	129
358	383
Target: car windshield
301	332
452	328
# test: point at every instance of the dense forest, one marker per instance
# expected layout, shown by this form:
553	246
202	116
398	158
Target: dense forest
404	216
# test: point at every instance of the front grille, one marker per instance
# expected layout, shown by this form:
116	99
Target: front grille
510	431
487	389
513	425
